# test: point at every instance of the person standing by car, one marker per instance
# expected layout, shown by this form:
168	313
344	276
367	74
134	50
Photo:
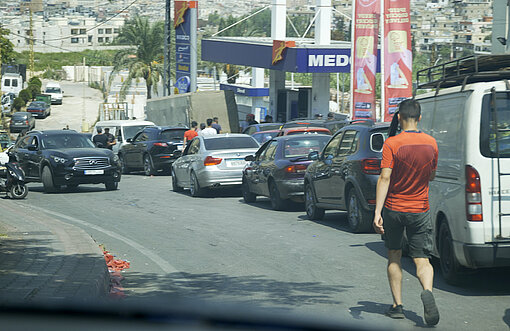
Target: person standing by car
190	134
100	139
209	130
216	125
110	137
409	162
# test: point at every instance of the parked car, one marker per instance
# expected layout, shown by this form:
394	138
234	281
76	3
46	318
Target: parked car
251	129
262	136
303	130
65	157
22	121
122	130
211	162
39	109
277	169
152	149
7	101
56	92
344	175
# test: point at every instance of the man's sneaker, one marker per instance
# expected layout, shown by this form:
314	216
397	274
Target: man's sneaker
430	309
395	312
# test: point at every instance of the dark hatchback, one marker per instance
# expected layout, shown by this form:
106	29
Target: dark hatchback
152	149
65	157
344	176
22	121
277	169
39	109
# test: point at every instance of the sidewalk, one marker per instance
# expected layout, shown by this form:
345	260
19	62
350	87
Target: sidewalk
42	258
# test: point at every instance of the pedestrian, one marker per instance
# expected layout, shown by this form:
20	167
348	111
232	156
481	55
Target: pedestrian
318	116
100	140
331	116
268	119
191	133
409	162
111	138
202	127
209	130
216	125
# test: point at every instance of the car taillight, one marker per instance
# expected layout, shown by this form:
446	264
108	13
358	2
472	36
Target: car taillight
371	166
209	161
473	195
296	168
161	144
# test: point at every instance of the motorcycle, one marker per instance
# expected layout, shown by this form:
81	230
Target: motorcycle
14	183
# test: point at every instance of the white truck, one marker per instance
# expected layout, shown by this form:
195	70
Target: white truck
12	83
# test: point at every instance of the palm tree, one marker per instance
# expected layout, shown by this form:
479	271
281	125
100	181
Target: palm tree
145	59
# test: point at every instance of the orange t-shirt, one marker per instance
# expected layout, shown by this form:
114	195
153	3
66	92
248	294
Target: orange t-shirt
190	134
412	156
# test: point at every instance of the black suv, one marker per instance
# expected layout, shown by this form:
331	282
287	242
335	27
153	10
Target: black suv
344	176
65	157
152	149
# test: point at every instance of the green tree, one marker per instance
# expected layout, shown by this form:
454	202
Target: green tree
34	89
7	53
35	81
18	104
25	95
145	58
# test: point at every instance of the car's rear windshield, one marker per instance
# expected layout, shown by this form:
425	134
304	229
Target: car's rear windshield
262	137
19	115
291	133
172	135
37	104
305	124
488	132
302	147
230	143
130	131
59	141
267	127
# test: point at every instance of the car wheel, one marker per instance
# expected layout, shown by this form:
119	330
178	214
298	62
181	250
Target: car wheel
47	180
276	200
111	185
450	267
312	211
248	197
147	166
194	188
123	165
18	191
359	218
175	186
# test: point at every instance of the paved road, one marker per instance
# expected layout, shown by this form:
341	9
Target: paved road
220	248
80	101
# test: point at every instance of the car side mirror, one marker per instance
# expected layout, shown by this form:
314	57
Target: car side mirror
32	148
129	140
313	156
249	158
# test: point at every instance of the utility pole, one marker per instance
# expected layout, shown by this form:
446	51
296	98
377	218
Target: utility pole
193	41
31	36
167	73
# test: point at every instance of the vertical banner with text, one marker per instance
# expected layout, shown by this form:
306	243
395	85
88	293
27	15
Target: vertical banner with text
182	46
397	70
365	40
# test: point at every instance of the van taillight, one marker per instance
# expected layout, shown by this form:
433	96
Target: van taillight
371	166
473	195
209	161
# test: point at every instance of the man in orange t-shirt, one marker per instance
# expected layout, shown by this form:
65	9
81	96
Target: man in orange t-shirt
190	134
408	163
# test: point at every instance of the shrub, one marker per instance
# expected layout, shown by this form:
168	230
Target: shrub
35	81
18	103
25	95
34	89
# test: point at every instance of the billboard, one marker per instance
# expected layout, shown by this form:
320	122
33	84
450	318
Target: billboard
397	69
366	15
182	45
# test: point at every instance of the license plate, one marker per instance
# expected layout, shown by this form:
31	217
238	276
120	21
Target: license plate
235	163
18	123
94	172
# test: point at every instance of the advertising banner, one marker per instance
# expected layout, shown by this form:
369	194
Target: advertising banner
365	40
397	56
182	45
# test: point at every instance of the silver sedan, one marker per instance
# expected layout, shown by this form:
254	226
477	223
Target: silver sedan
212	161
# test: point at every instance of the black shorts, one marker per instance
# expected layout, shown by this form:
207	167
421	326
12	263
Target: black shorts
418	228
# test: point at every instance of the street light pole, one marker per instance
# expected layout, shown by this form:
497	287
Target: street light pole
167	72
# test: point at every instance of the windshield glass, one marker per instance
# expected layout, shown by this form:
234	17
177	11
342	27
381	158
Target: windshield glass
169	135
59	141
52	90
307	132
488	128
262	137
230	143
130	131
302	147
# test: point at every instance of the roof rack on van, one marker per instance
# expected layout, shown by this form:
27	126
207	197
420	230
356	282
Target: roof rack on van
467	70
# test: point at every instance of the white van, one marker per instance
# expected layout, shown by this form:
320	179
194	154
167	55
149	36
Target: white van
12	83
122	130
55	91
471	214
